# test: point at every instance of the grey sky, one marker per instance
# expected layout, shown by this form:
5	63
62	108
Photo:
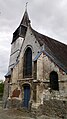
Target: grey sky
47	16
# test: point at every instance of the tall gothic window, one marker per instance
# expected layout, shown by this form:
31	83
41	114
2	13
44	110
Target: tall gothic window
28	63
54	81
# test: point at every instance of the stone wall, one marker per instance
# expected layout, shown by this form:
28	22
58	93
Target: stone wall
53	108
6	92
14	103
44	67
40	70
15	49
20	68
30	41
15	74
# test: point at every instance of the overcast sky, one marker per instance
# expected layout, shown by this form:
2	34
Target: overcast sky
47	16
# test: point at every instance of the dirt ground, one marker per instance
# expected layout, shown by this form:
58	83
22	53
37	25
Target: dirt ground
13	113
18	114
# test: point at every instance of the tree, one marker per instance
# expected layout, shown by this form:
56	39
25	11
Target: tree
1	89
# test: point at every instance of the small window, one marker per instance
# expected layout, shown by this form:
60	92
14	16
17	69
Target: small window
54	81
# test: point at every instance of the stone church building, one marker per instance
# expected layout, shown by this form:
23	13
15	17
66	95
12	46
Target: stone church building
37	68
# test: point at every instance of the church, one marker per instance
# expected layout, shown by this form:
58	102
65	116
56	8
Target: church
37	68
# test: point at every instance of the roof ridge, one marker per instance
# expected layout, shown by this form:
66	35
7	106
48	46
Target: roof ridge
47	36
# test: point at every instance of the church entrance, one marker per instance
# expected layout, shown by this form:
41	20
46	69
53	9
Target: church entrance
26	95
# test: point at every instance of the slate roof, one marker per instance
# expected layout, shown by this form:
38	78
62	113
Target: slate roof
25	20
55	49
37	56
21	30
17	61
8	74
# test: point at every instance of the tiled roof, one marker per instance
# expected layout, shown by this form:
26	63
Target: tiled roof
25	20
37	56
8	74
57	49
21	30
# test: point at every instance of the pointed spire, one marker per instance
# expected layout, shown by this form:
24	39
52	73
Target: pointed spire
25	20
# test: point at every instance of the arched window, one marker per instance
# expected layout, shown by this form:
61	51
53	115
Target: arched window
27	63
54	81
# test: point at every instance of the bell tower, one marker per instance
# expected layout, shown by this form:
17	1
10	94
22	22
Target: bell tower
18	37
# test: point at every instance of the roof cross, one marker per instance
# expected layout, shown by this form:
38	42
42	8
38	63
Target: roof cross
26	5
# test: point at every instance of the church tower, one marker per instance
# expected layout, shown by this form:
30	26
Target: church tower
18	37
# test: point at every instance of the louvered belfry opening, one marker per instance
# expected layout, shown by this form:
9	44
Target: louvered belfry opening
27	72
54	85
